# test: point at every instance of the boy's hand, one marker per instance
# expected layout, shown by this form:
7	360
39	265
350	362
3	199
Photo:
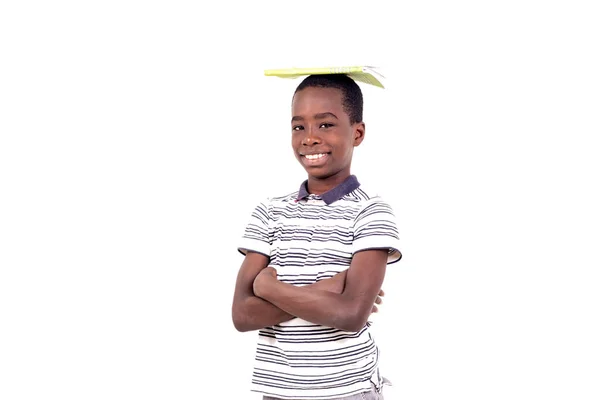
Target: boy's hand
378	300
263	278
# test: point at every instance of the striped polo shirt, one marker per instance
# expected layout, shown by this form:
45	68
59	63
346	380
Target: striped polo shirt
308	238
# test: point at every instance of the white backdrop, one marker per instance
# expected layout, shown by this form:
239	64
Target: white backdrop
136	137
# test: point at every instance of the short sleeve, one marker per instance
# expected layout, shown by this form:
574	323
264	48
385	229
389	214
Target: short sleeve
375	228
256	234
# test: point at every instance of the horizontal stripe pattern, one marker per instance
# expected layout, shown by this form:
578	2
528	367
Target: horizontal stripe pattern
308	240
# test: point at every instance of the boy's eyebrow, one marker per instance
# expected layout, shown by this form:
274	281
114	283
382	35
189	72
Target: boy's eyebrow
325	115
316	116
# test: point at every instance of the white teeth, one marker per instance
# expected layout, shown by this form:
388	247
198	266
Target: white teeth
314	156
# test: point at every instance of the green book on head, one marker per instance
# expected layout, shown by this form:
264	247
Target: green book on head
361	74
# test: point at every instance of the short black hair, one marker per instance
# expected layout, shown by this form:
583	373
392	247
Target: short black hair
352	98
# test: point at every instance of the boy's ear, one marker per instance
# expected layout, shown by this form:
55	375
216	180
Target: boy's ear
359	133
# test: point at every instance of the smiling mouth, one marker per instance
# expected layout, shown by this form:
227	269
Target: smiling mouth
315	160
315	156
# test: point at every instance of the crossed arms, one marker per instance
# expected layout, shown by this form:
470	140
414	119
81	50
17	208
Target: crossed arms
344	301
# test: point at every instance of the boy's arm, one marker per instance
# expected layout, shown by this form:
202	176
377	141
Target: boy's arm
347	311
250	312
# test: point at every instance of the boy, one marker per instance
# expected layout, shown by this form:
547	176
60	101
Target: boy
316	258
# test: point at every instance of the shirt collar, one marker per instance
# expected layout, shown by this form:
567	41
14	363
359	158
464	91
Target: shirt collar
347	186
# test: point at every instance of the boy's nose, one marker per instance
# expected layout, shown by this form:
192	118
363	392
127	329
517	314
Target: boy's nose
311	138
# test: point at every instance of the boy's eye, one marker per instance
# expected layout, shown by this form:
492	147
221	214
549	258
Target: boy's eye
297	127
325	125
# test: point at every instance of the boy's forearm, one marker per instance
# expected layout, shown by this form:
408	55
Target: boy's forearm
313	304
258	313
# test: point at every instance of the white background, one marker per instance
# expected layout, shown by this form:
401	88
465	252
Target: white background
136	137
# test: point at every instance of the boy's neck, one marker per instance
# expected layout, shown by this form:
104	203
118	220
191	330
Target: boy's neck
319	186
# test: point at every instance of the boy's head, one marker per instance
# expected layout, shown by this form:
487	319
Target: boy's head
352	99
327	125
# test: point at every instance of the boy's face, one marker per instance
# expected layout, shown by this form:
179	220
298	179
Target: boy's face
323	138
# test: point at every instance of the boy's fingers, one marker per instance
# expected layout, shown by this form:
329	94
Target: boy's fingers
374	309
381	293
378	300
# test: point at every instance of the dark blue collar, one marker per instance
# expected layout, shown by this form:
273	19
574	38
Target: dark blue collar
347	186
